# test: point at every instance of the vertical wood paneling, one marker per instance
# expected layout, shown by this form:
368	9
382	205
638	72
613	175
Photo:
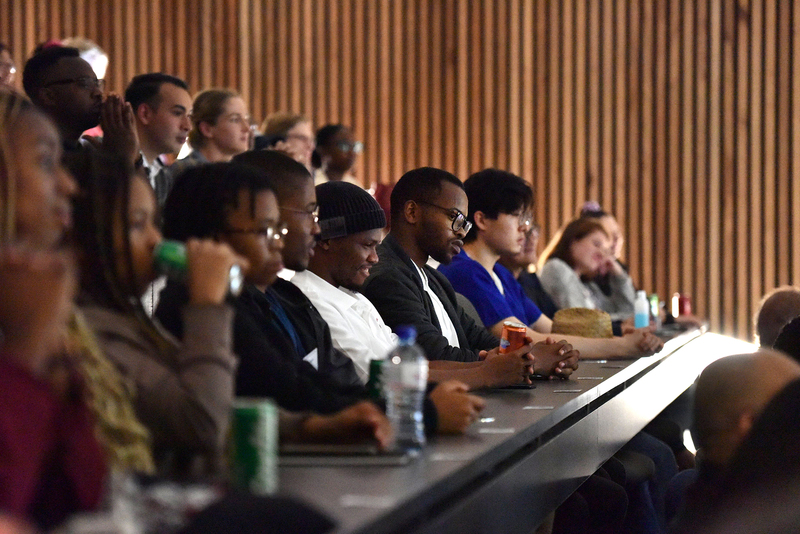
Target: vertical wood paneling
681	116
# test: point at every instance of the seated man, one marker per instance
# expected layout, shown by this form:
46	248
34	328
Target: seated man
777	309
500	203
351	222
65	88
428	220
161	105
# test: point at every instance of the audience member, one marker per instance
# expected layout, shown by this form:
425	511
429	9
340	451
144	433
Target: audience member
220	129
290	133
161	105
8	70
776	310
578	254
520	265
499	205
335	155
65	88
351	222
52	464
428	221
184	390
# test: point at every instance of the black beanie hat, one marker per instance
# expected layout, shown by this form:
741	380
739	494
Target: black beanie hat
346	209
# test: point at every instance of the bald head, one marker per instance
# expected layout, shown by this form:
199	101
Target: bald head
777	309
731	393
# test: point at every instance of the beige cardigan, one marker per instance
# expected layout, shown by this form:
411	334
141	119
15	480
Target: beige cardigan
183	397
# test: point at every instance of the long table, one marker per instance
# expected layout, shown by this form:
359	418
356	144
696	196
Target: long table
528	452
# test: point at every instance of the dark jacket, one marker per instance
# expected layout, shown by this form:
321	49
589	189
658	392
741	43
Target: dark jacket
269	365
396	291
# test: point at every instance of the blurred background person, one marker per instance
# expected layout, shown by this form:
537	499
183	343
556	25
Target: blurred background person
334	157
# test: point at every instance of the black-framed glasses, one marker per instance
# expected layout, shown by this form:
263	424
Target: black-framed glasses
458	219
314	213
271	232
84	82
346	146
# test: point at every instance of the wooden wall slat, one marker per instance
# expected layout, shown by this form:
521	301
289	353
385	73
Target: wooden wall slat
682	116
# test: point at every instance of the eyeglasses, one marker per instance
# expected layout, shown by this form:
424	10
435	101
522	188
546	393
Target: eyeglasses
347	146
458	219
84	82
314	213
271	232
525	222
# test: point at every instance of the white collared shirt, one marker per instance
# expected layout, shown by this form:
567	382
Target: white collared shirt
357	328
445	323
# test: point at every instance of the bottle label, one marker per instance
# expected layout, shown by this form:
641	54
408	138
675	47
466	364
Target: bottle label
414	376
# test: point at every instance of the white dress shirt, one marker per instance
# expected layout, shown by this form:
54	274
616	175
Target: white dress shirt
357	328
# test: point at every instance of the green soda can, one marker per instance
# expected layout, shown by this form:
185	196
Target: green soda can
254	451
169	258
375	384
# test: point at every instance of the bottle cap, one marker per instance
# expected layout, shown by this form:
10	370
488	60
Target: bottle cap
407	333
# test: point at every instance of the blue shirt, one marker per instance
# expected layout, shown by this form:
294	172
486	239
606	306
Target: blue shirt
469	278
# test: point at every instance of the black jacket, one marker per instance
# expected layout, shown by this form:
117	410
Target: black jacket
396	291
269	365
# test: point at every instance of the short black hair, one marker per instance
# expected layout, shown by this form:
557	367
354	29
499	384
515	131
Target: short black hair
493	192
144	88
286	173
202	197
423	184
35	68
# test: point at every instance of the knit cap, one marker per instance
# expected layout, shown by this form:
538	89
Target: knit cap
346	209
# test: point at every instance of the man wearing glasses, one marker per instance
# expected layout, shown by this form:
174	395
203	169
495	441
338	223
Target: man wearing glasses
428	212
65	87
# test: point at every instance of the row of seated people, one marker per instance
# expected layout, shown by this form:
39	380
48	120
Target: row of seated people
162	405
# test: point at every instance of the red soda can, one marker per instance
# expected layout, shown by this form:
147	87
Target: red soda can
513	336
681	305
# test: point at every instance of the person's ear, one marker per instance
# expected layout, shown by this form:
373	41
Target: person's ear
206	129
480	220
412	212
144	113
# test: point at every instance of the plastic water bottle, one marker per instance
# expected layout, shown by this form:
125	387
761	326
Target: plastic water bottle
405	378
641	310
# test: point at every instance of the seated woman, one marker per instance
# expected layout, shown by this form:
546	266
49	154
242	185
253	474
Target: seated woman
183	391
51	464
499	207
574	258
220	129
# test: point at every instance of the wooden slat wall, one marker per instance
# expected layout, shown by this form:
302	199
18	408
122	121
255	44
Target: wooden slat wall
681	116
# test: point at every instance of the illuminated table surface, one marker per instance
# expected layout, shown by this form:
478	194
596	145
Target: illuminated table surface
529	451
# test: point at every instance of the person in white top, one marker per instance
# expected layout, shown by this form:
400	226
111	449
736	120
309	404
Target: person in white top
350	222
